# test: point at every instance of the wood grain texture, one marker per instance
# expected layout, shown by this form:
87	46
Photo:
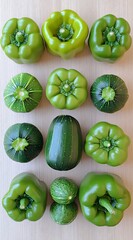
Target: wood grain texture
87	115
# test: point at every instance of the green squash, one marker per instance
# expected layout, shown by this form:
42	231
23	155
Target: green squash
63	190
63	148
23	93
23	142
109	93
63	213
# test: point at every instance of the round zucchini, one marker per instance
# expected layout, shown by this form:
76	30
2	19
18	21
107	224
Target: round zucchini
109	93
23	142
63	213
63	190
63	148
23	93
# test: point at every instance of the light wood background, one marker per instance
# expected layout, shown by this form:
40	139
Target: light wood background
87	115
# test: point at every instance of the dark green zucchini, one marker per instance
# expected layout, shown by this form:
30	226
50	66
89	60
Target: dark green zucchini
23	142
63	149
109	93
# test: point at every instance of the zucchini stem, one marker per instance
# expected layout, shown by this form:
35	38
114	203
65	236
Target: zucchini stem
20	144
108	94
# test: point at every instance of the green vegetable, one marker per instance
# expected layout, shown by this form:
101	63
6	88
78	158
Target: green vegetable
23	142
66	88
26	198
107	144
23	93
109	38
21	40
63	213
63	148
109	93
63	190
103	198
65	33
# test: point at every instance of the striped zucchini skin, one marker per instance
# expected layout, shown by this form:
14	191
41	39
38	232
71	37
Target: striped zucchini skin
23	93
63	190
63	213
63	148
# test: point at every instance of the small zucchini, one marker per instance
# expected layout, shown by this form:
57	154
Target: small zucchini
63	190
63	213
23	142
23	93
109	93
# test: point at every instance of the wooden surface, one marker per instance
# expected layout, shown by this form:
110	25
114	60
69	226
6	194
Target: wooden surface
87	115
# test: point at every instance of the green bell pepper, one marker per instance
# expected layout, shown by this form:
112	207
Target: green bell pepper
107	144
66	88
65	33
26	198
103	198
21	40
109	38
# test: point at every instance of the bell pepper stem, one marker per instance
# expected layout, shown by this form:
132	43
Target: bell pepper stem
19	37
23	203
111	36
104	202
107	143
65	32
66	87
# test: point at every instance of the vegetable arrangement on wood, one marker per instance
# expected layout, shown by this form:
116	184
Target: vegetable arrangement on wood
103	197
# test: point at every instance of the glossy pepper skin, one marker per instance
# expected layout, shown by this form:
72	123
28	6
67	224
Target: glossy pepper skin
65	33
21	40
66	89
103	198
107	144
26	198
109	38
